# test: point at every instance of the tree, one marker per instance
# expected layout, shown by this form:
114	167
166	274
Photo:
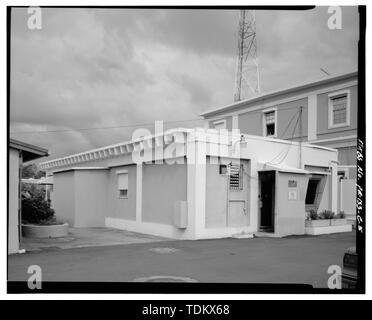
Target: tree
32	171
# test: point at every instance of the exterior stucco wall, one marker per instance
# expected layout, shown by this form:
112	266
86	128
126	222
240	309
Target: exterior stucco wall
162	185
347	156
119	207
80	197
252	122
216	197
286	112
290	214
90	198
64	196
13	190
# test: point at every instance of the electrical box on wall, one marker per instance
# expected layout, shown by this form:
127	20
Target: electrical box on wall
180	214
223	169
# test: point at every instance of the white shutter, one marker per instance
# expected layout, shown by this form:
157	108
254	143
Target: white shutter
123	181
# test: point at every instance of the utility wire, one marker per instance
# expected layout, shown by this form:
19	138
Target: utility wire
284	132
134	125
287	147
103	128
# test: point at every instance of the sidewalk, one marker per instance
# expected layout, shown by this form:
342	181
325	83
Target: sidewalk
88	237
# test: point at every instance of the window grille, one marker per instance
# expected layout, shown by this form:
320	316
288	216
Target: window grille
339	105
236	177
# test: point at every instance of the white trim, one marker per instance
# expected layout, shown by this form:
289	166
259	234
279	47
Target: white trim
331	124
354	136
139	172
80	168
219	122
328	230
235	122
110	151
264	131
271	94
347	166
334	187
121	171
199	188
226	113
312	117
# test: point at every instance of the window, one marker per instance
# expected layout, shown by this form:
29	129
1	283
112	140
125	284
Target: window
311	191
236	177
269	123
339	109
314	192
220	124
123	184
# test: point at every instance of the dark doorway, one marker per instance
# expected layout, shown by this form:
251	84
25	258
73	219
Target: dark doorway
267	200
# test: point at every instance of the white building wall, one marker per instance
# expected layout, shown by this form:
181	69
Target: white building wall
13	197
260	152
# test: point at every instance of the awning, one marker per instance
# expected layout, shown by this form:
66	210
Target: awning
282	168
29	151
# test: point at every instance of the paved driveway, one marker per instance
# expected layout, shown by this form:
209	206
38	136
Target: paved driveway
298	259
88	237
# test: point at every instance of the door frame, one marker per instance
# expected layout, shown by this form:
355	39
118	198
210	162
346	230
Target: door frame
271	228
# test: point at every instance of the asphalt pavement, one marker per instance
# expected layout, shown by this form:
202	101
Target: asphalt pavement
296	259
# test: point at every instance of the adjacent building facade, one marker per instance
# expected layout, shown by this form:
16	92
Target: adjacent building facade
196	184
323	112
19	152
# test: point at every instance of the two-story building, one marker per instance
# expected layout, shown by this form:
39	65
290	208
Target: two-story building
323	112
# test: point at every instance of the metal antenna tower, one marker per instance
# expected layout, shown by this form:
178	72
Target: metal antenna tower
247	80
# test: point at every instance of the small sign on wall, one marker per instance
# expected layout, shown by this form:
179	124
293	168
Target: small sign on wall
292	194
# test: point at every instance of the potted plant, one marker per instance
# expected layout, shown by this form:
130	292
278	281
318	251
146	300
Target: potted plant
315	220
38	218
326	222
339	220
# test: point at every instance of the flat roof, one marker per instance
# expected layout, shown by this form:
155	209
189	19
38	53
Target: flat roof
30	152
70	161
275	93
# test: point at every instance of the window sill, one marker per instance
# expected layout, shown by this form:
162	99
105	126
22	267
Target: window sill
336	126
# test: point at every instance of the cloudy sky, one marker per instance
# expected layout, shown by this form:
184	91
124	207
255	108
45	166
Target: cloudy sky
94	68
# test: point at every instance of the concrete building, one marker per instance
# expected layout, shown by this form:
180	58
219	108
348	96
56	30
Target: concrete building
19	152
323	112
195	184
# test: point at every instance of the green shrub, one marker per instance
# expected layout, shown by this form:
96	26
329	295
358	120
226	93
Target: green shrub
35	209
327	214
341	215
313	215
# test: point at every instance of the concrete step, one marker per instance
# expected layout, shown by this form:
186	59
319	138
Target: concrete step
243	235
263	234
